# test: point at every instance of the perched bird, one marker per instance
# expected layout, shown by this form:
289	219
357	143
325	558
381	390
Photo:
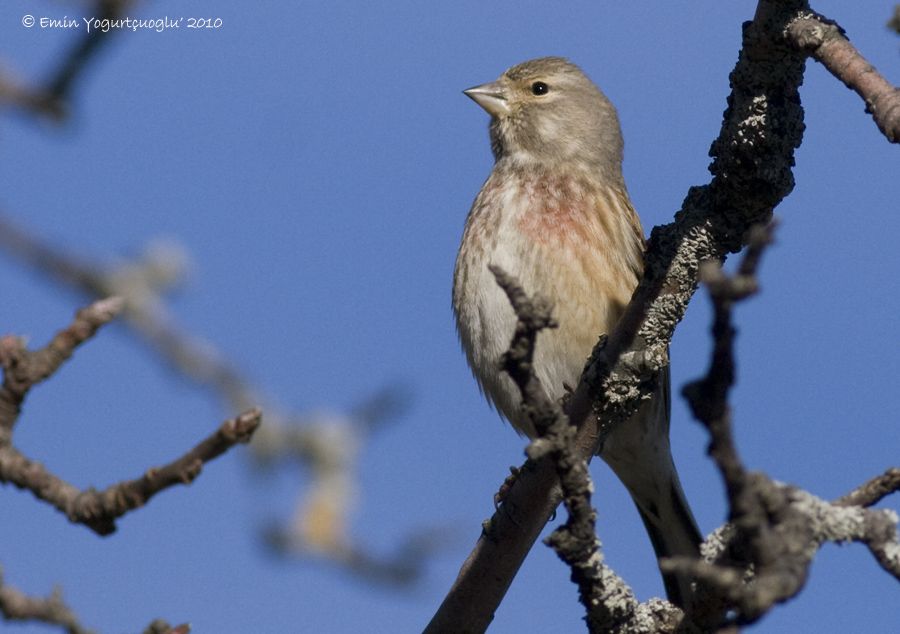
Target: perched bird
555	213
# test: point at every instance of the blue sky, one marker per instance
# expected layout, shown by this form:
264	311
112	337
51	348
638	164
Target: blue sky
318	161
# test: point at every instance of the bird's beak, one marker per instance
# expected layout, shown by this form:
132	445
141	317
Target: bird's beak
491	97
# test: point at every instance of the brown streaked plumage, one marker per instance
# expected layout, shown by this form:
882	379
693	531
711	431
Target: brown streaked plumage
555	213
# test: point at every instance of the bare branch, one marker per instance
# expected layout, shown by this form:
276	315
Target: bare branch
160	626
23	369
328	444
52	98
533	315
708	397
609	603
775	529
575	542
799	524
140	283
98	510
18	606
872	491
823	40
771	536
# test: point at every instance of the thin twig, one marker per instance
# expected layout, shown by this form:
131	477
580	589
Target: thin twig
872	492
52	98
22	369
15	605
823	40
769	534
98	510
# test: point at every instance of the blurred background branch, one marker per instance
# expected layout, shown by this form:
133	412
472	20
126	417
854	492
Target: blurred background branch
52	610
52	97
325	445
322	447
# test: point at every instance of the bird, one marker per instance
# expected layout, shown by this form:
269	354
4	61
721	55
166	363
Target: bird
555	214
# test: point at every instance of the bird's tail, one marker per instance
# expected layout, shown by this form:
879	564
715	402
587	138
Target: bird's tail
638	452
673	533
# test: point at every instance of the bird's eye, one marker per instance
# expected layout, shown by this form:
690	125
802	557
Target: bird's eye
539	88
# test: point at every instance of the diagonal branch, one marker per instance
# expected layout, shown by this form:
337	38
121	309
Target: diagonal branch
52	98
609	603
15	605
22	369
823	40
871	493
98	510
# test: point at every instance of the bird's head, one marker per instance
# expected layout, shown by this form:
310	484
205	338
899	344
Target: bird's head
547	111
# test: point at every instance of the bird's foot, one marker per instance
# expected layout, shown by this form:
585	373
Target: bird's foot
507	485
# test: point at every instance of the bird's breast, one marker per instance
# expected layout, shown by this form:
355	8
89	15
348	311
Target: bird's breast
562	237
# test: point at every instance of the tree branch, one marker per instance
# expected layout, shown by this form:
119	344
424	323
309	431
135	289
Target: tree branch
609	603
870	493
770	537
798	524
775	530
23	369
607	600
18	606
327	444
52	98
894	22
98	510
824	40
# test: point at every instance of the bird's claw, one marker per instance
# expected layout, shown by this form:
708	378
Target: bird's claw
505	488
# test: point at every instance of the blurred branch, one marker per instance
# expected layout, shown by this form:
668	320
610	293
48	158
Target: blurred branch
22	369
51	99
330	453
160	626
401	569
824	40
141	282
18	606
328	444
872	491
98	510
894	23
